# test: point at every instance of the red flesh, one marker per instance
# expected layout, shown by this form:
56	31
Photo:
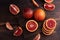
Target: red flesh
32	25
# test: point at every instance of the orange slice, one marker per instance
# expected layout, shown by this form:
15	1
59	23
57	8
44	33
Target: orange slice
31	25
51	23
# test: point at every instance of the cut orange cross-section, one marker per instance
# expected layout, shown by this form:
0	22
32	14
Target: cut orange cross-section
31	25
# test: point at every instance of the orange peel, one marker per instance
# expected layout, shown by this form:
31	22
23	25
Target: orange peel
35	3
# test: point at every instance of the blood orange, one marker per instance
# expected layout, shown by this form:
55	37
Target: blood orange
48	1
44	32
18	31
37	37
27	13
14	9
9	26
51	23
49	6
45	28
39	14
31	25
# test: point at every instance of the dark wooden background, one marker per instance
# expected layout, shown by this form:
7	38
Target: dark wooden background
17	20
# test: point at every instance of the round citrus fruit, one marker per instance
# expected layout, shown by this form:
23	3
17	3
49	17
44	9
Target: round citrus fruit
39	14
31	25
27	13
51	23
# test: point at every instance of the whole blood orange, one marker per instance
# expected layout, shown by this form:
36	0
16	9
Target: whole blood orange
39	14
31	25
27	13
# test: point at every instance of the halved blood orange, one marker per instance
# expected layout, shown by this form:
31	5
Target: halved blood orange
51	23
14	9
37	37
31	25
49	6
48	1
18	31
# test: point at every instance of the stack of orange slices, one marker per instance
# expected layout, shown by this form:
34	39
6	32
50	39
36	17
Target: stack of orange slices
49	26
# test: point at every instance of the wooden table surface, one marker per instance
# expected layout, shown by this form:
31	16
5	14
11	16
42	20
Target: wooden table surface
17	20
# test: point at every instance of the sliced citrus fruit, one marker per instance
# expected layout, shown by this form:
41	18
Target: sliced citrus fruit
31	25
47	33
49	6
45	28
48	1
37	37
14	9
8	26
18	31
51	23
